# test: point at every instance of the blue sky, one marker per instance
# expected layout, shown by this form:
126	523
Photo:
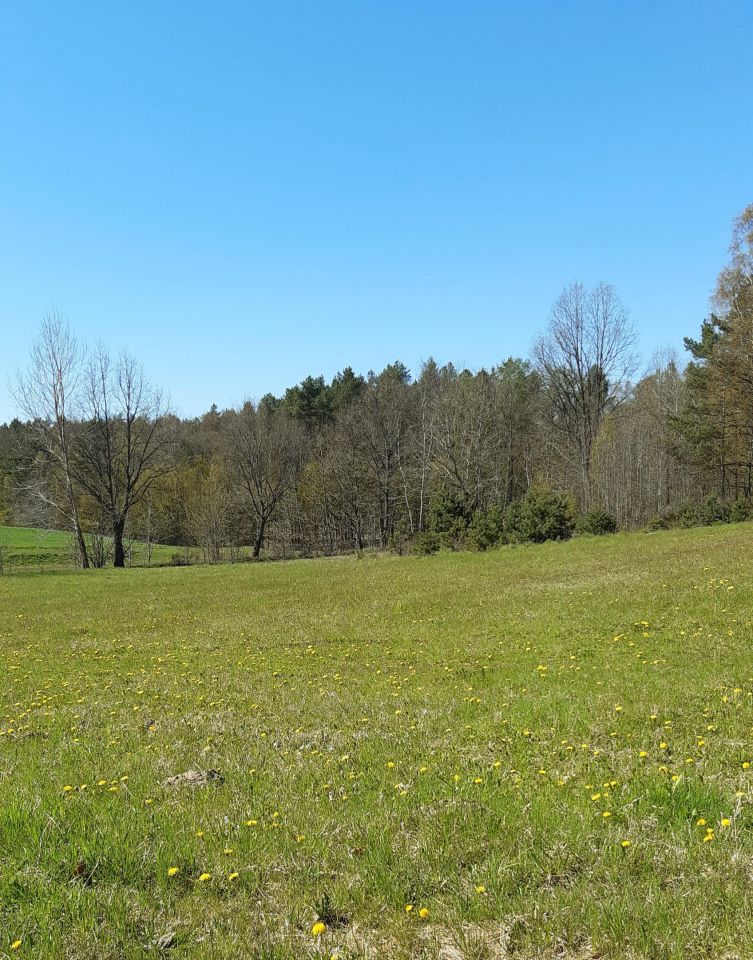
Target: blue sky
245	193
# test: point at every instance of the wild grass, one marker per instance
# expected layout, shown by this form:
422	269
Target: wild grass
533	745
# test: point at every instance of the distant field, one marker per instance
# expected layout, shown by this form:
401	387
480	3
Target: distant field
28	547
547	748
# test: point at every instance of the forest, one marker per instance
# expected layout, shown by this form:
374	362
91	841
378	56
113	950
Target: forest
577	436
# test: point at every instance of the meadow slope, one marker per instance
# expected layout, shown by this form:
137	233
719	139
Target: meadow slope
546	747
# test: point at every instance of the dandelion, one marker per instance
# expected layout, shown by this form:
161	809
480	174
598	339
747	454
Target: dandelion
16	944
204	877
625	844
233	876
480	888
408	907
726	821
172	871
423	913
318	929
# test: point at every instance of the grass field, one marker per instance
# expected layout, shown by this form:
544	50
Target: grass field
546	747
33	548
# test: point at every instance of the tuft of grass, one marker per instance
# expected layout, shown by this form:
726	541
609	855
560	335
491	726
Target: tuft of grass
532	745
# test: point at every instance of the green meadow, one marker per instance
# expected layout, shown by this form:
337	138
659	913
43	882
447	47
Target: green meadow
538	752
28	548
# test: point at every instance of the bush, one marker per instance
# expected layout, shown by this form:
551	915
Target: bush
449	518
740	510
486	530
704	513
399	539
425	543
662	521
542	514
597	522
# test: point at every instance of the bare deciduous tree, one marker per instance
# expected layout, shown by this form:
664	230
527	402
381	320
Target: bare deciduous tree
586	357
121	446
265	451
48	393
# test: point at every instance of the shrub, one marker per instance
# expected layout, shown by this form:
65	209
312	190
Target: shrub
399	539
662	521
425	543
486	530
703	513
597	522
542	514
449	518
740	510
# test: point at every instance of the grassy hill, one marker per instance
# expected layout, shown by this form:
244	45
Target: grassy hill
538	752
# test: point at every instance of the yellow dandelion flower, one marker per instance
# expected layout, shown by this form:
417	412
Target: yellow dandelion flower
171	871
204	877
423	913
318	929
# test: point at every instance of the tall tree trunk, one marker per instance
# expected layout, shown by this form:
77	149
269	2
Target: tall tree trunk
118	529
83	552
80	542
259	542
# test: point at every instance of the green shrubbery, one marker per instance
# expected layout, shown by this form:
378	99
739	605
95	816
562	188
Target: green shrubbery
449	519
703	513
487	529
597	522
542	514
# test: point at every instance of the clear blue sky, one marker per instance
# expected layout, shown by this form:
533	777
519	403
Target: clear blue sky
246	193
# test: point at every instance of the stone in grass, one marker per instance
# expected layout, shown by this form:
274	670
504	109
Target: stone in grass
195	778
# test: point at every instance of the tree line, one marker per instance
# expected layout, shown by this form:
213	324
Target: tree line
446	457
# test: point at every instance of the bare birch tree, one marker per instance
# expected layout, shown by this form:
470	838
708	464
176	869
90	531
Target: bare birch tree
49	393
